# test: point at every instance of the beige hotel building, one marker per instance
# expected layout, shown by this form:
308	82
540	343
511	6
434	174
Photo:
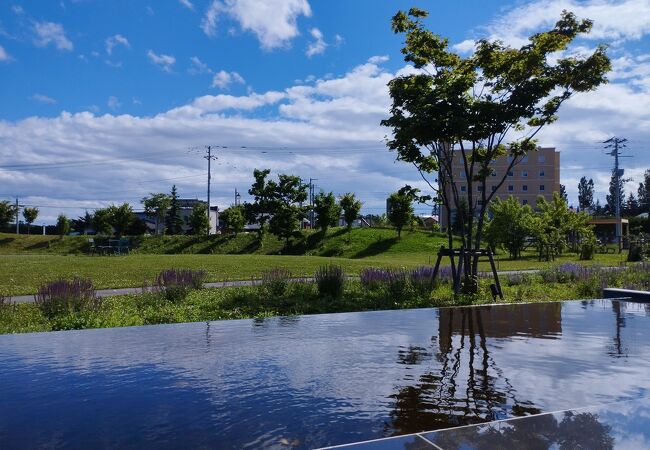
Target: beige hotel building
538	174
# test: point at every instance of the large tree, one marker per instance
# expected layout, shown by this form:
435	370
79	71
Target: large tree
327	210
30	215
288	211
156	206
264	199
585	193
510	225
611	197
102	222
489	104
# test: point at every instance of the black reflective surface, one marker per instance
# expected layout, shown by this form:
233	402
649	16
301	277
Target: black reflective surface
313	381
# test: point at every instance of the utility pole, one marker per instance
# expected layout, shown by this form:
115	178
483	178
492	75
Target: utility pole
616	144
209	156
18	216
311	202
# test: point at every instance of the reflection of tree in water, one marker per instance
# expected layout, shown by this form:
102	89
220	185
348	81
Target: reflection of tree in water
574	431
617	349
467	387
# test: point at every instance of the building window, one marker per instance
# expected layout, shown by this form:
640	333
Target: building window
462	174
524	188
524	201
524	173
541	173
511	188
494	188
494	173
541	158
479	188
542	188
524	160
463	189
510	174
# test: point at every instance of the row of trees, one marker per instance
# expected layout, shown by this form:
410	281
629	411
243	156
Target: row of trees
278	206
631	205
552	228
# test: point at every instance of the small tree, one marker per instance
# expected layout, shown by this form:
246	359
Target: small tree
174	223
120	218
30	215
156	206
286	197
198	219
400	208
585	193
264	194
234	219
327	211
62	225
351	209
7	213
644	193
510	225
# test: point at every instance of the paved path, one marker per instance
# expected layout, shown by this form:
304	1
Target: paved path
222	284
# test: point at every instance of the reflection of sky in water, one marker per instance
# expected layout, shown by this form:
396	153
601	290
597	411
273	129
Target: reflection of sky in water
317	380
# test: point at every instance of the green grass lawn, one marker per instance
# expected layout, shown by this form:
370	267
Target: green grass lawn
29	261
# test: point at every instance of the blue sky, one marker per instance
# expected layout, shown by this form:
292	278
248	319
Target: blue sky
114	93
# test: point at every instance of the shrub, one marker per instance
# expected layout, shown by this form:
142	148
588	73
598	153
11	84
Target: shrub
66	296
276	281
517	279
372	278
588	249
421	279
330	281
177	283
635	253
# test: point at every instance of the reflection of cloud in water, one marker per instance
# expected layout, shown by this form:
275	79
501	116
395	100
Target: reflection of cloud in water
362	365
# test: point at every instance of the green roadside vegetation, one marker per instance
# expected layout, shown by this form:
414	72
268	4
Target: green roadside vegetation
26	262
282	297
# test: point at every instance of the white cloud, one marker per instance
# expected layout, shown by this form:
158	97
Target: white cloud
187	3
51	33
223	79
274	22
614	20
467	46
318	45
198	67
113	103
338	40
378	59
114	41
17	9
4	56
43	99
165	62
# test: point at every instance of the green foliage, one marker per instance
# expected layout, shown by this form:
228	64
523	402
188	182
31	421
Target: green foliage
351	208
588	248
327	211
156	206
486	105
233	219
643	193
120	218
330	281
275	281
62	225
30	215
102	222
198	219
7	213
289	195
400	207
585	193
173	221
510	225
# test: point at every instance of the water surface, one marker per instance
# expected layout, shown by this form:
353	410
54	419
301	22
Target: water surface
311	381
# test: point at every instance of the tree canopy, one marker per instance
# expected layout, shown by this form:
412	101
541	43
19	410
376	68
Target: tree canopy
489	104
327	210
